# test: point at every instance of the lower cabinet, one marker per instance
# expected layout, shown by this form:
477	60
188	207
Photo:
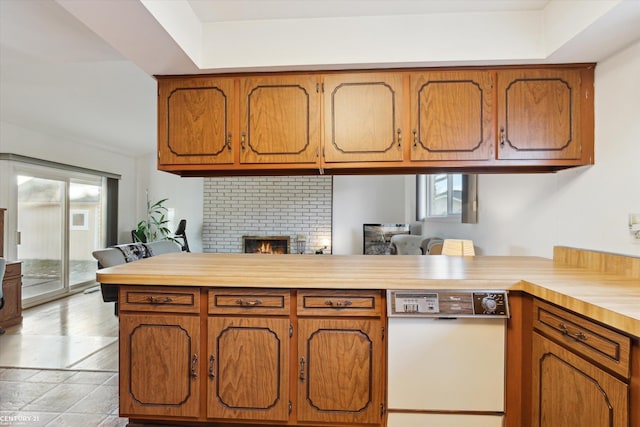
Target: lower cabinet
248	368
340	371
159	362
263	361
580	372
160	357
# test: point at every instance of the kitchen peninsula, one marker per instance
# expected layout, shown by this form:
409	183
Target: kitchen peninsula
187	321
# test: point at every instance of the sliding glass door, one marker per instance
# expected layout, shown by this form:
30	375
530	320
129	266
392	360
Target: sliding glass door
60	223
41	207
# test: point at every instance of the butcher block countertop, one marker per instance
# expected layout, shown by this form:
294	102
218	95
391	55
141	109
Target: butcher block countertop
568	280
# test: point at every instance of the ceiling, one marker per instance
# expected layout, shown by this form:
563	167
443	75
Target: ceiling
83	70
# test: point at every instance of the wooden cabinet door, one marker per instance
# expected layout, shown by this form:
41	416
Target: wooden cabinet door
363	116
568	391
248	368
539	114
452	115
279	120
159	365
195	121
340	371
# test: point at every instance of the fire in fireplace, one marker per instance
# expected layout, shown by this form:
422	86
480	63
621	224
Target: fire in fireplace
265	244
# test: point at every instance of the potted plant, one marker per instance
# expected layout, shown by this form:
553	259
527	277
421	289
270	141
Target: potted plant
154	227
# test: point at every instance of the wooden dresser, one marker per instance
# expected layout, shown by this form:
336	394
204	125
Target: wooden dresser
11	313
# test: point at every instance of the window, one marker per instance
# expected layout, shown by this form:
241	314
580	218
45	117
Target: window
446	196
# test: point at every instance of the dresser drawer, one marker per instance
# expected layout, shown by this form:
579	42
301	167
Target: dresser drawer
250	301
159	299
13	269
602	345
339	303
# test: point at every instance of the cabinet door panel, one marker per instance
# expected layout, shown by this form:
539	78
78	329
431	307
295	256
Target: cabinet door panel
568	391
539	114
340	363
363	114
194	121
248	368
280	120
160	360
452	115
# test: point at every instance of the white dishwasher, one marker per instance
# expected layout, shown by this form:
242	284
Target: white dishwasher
446	358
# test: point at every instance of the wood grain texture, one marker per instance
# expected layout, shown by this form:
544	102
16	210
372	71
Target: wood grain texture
603	262
611	299
569	391
11	313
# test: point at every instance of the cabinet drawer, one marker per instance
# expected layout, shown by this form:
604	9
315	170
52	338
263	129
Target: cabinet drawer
13	269
339	303
249	301
602	345
159	299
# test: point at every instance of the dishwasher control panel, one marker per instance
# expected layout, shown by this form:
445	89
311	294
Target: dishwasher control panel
447	303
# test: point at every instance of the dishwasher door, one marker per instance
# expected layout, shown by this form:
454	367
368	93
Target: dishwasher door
446	366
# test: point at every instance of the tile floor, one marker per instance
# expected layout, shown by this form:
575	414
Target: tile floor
37	397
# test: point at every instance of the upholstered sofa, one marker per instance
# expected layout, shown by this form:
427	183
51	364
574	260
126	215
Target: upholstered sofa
131	252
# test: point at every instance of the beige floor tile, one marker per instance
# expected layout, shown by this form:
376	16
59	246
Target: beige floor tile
16	395
51	376
103	400
11	374
60	398
77	420
89	377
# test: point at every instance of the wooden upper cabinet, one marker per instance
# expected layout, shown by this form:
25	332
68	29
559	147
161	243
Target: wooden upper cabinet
363	116
452	115
195	121
539	114
279	119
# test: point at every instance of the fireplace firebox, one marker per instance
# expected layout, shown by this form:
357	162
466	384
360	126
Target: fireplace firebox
265	244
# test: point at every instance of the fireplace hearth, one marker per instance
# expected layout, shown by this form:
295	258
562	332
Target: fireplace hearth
265	244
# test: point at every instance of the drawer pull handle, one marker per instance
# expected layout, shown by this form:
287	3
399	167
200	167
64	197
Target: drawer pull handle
212	360
159	300
338	304
251	303
302	369
577	336
194	366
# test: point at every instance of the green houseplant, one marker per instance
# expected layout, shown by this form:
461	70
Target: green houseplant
154	226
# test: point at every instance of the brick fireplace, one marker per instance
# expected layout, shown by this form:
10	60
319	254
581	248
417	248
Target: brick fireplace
298	207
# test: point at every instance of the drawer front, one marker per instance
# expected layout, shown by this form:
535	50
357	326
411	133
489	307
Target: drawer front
339	303
604	346
13	269
250	301
159	299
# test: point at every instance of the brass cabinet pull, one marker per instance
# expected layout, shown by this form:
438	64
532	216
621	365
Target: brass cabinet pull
415	139
345	303
228	142
576	336
302	369
242	141
399	138
194	366
252	303
159	300
503	137
212	359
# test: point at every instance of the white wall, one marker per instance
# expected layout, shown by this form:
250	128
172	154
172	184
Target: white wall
184	194
585	207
